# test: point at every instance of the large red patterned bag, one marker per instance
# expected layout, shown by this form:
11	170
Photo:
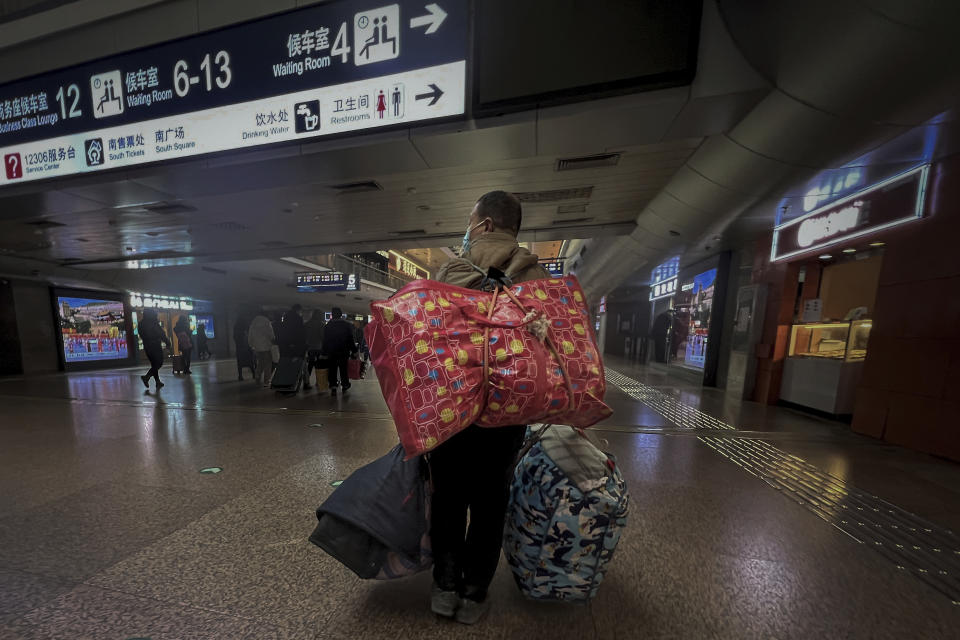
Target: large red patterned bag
447	357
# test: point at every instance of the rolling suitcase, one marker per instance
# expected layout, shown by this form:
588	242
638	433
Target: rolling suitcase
568	507
289	375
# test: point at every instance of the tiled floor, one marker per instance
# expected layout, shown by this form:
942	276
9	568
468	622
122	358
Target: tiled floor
108	530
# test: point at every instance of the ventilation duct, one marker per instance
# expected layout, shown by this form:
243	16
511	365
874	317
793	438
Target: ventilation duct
45	224
228	225
588	162
168	207
362	186
819	114
554	195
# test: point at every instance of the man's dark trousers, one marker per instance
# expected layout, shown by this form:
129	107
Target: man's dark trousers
471	470
338	364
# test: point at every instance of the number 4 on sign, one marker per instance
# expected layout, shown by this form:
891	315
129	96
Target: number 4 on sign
341	46
434	18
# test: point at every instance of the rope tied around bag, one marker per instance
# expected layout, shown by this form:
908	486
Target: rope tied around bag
537	325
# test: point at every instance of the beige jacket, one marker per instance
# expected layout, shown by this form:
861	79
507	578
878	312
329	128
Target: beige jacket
495	249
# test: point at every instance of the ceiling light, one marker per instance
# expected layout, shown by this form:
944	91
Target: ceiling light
849	250
877	244
826	256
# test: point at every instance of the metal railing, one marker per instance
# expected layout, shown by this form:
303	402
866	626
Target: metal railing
346	264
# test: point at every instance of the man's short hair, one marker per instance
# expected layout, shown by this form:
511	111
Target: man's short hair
502	208
337	312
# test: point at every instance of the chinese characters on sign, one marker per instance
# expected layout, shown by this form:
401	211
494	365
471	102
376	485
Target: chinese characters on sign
326	69
893	201
142	79
314	281
305	43
23	106
407	267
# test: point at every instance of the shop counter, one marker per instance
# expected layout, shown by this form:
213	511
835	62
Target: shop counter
824	365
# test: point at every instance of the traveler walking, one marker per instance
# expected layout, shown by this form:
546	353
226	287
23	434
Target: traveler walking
292	337
471	470
184	341
203	347
360	339
314	330
153	337
260	338
338	345
244	352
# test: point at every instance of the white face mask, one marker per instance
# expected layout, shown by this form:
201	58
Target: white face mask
465	245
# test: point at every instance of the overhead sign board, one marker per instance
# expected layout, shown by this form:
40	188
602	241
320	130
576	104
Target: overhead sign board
663	289
316	281
353	282
554	266
338	67
406	266
888	203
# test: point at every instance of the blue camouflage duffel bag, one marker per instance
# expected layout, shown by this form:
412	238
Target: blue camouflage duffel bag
568	506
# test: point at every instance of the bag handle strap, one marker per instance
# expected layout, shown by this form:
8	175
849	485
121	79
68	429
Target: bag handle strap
529	442
531	315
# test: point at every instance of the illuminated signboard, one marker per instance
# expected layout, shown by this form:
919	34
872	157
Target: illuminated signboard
316	281
154	301
663	289
353	282
553	266
337	67
407	267
663	279
888	203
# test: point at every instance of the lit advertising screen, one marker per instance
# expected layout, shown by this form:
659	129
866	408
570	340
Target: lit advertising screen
206	320
91	328
692	323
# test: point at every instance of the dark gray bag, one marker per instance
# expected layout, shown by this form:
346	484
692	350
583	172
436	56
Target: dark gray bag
377	522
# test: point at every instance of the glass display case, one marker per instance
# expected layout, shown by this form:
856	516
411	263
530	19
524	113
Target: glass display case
846	341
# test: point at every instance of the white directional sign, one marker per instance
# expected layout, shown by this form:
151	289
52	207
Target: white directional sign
343	66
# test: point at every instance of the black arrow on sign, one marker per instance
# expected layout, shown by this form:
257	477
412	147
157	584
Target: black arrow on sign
435	94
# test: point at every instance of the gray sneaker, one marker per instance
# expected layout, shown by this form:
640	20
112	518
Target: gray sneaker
471	611
444	603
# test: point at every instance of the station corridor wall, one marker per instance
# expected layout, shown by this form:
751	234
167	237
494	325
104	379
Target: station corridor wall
910	393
